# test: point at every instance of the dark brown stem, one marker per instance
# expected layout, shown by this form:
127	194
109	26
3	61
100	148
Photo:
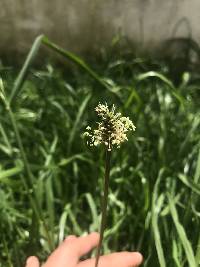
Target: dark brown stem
104	204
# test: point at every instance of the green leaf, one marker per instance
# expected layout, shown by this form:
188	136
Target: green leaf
160	76
189	183
4	174
77	120
156	207
182	234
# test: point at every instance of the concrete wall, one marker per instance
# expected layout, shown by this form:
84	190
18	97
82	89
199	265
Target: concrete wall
87	25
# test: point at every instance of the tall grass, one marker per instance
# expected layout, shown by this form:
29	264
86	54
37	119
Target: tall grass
50	182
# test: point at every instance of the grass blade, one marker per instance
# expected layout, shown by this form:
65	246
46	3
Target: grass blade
32	54
195	187
23	73
77	121
197	171
74	59
62	223
93	209
165	80
175	253
11	172
155	228
181	233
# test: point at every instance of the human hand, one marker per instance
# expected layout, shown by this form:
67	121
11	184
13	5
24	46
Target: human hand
70	251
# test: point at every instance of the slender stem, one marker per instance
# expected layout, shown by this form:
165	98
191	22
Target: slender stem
104	205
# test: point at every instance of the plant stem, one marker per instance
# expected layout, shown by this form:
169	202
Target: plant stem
104	204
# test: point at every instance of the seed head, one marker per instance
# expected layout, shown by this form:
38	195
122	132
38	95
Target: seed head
112	128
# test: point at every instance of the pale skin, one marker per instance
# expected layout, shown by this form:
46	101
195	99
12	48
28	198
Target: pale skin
70	251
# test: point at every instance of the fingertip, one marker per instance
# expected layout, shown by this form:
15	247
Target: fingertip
127	258
116	259
32	261
84	244
138	258
93	239
95	235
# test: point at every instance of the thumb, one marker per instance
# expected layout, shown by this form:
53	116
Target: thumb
32	262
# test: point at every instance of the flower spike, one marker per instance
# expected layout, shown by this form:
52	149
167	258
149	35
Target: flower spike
112	129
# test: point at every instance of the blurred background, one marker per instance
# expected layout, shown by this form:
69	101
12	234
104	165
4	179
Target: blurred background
142	56
86	26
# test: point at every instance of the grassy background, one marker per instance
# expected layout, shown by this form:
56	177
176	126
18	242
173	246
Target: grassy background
51	183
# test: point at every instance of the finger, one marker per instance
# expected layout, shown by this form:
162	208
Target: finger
61	255
32	262
120	259
69	239
71	250
85	244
